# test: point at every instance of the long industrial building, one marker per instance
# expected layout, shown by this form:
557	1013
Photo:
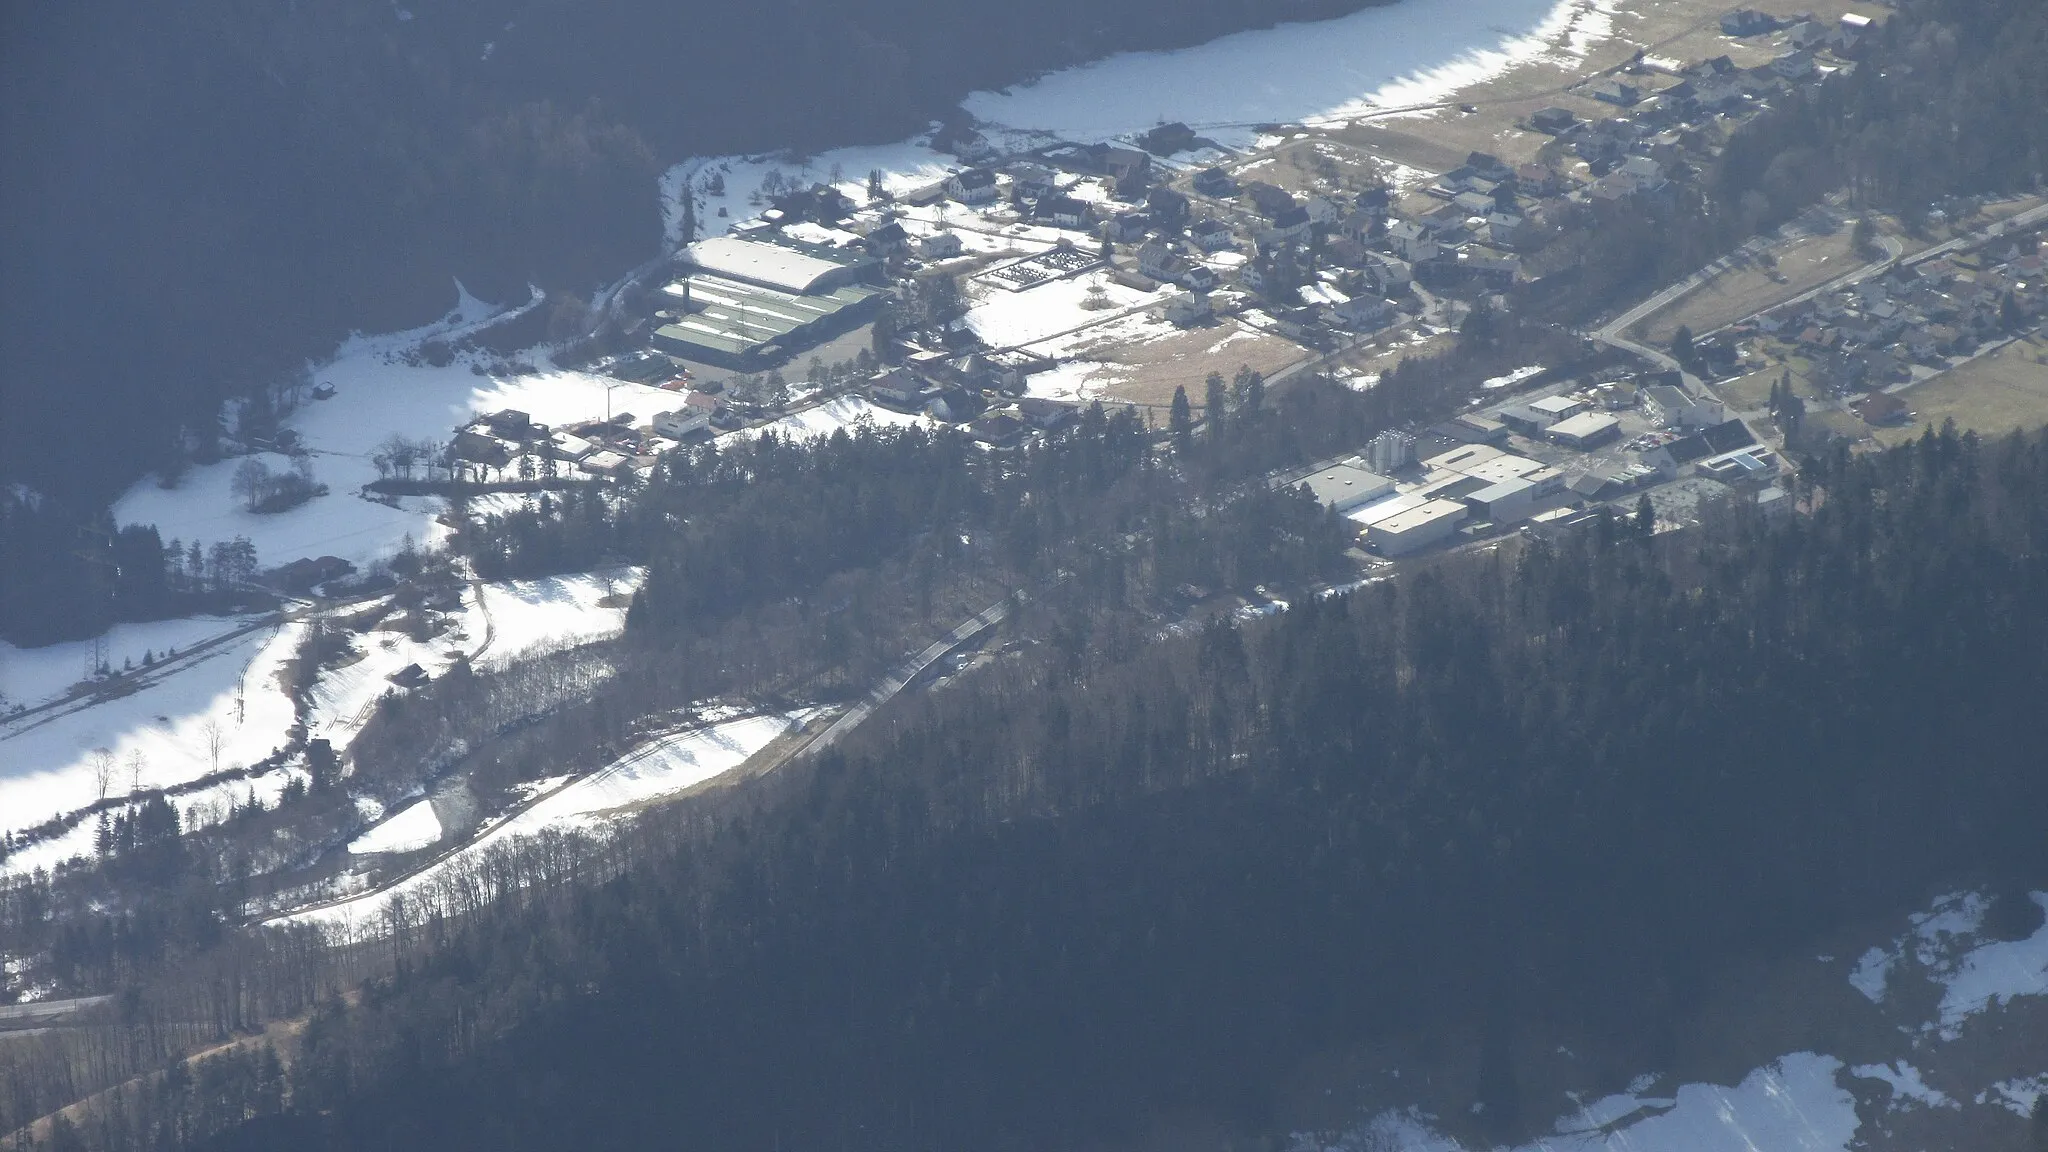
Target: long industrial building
750	303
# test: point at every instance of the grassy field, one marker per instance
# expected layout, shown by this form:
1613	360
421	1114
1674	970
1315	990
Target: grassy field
1993	394
1147	373
1801	265
1682	31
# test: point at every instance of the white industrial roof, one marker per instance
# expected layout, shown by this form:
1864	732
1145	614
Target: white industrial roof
1583	425
1503	466
1420	516
1557	405
770	264
1464	459
1345	486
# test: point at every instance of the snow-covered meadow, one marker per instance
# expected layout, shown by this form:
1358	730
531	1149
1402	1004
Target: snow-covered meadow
662	768
1374	60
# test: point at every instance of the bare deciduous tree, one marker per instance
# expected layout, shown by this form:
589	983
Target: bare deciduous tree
215	740
102	770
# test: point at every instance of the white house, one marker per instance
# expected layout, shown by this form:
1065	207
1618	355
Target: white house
973	186
940	246
1411	241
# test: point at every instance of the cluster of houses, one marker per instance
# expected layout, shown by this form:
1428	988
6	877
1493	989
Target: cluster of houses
1925	314
508	444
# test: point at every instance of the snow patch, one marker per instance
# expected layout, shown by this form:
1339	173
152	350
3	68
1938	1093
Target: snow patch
1907	1084
411	829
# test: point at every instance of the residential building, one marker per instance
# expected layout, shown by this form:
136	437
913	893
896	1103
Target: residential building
1189	310
1411	241
940	246
1617	92
1210	235
1215	182
1552	121
972	186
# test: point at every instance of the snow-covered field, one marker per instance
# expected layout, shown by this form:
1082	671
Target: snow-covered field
410	829
663	768
1396	56
1010	319
556	611
160	735
29	676
847	412
377	394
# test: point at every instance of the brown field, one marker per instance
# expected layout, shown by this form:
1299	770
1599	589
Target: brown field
1680	30
1993	394
1146	374
1802	265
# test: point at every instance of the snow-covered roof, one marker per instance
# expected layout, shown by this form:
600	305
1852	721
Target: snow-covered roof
773	265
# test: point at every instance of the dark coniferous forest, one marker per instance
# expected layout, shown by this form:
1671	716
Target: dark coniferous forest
1056	903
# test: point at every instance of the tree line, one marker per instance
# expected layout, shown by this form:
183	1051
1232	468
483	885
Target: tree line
1067	898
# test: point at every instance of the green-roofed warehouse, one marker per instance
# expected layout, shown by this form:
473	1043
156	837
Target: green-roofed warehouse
743	326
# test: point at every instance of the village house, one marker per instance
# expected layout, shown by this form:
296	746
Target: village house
1411	241
1216	183
1552	121
1030	180
1189	310
972	186
1745	22
887	240
1198	278
1795	65
1129	226
898	388
1322	211
1388	275
1065	212
940	246
694	416
1161	262
1290	223
1617	92
1360	313
1267	199
1210	235
1168	208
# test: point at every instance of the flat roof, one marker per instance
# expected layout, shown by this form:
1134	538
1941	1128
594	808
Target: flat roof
1501	491
1557	405
1505	467
1583	425
1346	484
1464	459
778	265
1380	510
1421	516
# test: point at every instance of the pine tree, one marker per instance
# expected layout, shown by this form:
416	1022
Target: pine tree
1646	517
1182	423
1681	346
1215	409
